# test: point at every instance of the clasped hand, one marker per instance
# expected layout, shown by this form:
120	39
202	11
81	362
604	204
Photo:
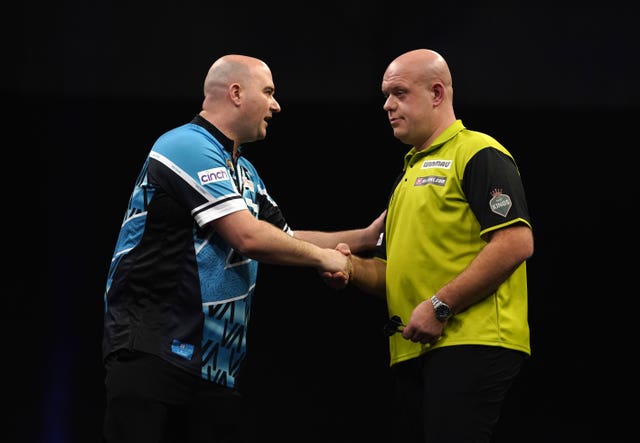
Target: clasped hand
340	279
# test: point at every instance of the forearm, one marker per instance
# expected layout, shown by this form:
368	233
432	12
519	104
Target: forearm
369	275
270	245
266	243
359	240
492	266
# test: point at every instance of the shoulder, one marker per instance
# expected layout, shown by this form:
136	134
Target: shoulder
468	143
188	139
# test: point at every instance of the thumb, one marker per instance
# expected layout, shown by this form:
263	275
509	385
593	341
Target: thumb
343	248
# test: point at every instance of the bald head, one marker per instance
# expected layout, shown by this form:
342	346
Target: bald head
423	65
231	68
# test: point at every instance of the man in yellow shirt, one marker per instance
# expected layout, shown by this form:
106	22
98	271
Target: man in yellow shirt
451	264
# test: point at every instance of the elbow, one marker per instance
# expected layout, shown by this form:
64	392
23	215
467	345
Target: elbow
246	245
530	251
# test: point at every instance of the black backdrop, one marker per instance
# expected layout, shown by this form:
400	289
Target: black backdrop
94	85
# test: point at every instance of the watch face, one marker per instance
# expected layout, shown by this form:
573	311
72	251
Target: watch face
442	312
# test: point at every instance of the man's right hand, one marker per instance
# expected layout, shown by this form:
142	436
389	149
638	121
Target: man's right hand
340	279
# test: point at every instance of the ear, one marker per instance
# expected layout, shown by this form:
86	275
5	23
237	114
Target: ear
438	93
234	93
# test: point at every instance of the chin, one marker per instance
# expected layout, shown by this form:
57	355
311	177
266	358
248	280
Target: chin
397	133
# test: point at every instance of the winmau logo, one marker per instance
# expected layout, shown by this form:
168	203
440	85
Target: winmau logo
213	175
443	164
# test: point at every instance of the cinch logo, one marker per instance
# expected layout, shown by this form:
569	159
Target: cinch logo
443	164
213	175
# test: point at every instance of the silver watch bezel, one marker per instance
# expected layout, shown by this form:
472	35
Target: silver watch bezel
442	310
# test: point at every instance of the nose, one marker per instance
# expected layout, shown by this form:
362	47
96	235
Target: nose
275	106
387	104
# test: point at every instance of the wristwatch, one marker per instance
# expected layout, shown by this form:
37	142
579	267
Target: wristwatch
443	311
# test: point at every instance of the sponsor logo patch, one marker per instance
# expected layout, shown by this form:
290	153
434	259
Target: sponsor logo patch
430	180
500	203
184	350
442	164
213	175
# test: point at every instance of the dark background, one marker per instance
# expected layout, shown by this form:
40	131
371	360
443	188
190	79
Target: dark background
88	86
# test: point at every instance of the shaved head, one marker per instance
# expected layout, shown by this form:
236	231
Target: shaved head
231	68
424	65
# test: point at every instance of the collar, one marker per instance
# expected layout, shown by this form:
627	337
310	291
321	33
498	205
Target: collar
413	155
226	142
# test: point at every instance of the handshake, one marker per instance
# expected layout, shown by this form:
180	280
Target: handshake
337	264
339	279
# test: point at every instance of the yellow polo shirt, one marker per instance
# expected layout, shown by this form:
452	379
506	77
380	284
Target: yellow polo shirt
462	186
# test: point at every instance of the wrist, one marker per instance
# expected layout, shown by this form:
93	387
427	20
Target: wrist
350	271
442	310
